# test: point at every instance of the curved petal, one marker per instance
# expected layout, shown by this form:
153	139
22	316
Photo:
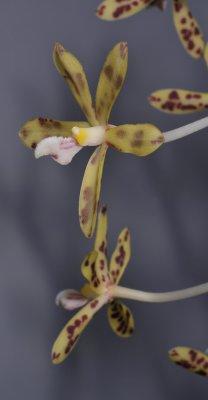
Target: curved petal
70	299
179	101
139	139
69	335
120	319
73	72
191	359
62	150
35	130
188	29
120	256
94	269
112	10
111	81
90	190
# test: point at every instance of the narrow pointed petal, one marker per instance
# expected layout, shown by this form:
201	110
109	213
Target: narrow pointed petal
111	81
70	299
188	29
161	4
179	101
191	359
35	130
72	71
139	139
90	191
112	10
120	256
120	319
62	150
69	335
95	271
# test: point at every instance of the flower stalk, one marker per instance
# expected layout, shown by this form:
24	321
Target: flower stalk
185	130
163	297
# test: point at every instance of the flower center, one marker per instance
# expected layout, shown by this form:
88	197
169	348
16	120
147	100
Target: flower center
93	136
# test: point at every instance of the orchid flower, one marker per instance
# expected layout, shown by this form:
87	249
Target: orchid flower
103	278
63	139
193	360
186	25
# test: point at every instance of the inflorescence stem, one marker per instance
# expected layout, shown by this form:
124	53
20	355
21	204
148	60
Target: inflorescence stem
185	130
164	297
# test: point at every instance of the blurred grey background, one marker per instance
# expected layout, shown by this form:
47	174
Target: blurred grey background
162	198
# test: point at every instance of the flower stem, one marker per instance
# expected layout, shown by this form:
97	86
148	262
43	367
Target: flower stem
164	297
185	130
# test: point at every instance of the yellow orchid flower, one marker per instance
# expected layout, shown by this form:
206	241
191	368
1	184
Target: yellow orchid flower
62	140
186	25
193	360
102	288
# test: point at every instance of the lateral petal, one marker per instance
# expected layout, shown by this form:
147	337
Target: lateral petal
111	81
72	71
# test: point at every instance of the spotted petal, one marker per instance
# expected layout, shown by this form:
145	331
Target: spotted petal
120	256
70	299
139	139
35	130
94	269
69	335
188	29
101	234
111	81
90	191
60	149
120	319
191	359
112	10
179	101
72	71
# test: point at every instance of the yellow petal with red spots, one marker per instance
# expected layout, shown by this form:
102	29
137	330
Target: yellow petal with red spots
101	233
191	359
179	101
90	191
111	81
69	335
33	131
72	71
188	29
120	256
120	319
94	269
139	139
112	10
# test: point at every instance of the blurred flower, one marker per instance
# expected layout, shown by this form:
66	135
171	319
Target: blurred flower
63	139
102	279
186	25
191	359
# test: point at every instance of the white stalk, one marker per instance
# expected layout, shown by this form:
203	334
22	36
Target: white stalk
164	297
185	130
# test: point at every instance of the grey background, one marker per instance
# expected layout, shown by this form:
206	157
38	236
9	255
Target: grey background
163	199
